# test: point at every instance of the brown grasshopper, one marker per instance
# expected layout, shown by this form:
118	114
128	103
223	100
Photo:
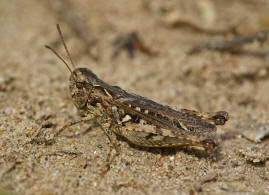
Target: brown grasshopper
141	121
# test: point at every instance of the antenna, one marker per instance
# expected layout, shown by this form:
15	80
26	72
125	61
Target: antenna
48	47
62	38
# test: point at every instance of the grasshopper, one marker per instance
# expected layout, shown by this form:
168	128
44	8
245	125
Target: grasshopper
141	121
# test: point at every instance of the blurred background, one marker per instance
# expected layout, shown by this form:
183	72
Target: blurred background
204	55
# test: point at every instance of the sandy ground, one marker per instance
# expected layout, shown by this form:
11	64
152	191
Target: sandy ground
35	101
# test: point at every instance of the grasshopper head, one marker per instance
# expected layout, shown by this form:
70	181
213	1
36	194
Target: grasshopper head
81	84
82	80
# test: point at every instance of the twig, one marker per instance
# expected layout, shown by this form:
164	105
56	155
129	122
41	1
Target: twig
230	44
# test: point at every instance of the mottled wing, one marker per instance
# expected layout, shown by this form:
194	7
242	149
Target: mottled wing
160	115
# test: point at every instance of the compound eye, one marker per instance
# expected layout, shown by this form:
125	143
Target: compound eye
79	85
